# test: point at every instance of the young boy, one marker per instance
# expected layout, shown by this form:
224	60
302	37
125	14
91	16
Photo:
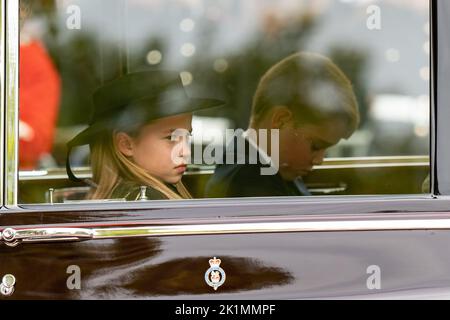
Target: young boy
305	104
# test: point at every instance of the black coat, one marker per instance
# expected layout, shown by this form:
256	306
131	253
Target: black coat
246	180
131	191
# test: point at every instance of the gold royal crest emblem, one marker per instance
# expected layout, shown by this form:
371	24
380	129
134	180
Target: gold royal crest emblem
215	275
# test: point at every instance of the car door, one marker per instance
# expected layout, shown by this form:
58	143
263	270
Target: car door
385	241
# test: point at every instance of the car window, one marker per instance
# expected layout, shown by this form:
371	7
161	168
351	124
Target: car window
126	100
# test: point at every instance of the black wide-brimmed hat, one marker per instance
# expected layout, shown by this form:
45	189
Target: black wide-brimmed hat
135	99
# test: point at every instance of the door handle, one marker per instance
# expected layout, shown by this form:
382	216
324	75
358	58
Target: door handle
12	237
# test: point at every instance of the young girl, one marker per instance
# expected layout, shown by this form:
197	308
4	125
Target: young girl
139	137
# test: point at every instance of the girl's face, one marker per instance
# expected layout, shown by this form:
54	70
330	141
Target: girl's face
161	148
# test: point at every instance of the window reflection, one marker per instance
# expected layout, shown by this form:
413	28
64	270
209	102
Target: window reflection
222	49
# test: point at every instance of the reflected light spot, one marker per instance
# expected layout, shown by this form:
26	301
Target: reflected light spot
220	65
392	55
421	131
154	57
186	78
188	49
187	25
425	73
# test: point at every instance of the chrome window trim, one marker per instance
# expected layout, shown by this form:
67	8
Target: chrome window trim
440	93
11	101
433	97
11	173
427	202
2	98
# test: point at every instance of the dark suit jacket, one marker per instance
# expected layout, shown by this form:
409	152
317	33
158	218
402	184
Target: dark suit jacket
246	180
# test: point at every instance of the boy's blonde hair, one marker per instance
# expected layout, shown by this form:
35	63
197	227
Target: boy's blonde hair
312	87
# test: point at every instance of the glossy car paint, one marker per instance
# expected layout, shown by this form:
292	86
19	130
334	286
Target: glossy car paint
413	263
268	265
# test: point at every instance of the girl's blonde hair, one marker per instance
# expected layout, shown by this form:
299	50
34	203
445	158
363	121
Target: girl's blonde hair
110	167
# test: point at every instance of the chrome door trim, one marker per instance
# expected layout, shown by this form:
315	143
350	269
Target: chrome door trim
420	202
440	93
270	227
56	233
433	97
11	101
2	97
11	30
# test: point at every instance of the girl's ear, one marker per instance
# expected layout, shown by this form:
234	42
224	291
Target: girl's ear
124	143
281	116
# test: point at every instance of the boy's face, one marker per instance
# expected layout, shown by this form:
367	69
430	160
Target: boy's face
301	148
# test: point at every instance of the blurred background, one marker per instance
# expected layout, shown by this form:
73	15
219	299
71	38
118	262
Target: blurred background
222	48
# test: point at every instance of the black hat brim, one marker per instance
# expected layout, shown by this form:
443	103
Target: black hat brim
88	135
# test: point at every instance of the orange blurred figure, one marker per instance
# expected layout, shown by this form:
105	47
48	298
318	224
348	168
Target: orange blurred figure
39	96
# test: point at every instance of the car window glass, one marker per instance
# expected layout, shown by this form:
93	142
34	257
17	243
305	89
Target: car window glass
200	99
